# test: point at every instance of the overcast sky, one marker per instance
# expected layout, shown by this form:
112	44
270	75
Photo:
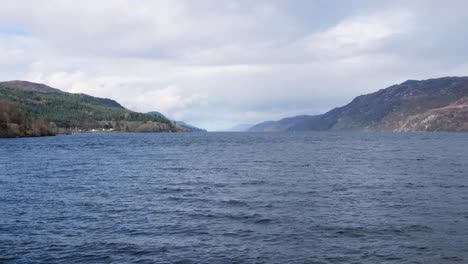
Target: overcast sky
218	63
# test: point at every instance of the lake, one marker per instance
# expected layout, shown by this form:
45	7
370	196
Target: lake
235	198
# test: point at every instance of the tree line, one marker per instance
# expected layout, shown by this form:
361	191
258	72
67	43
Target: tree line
13	123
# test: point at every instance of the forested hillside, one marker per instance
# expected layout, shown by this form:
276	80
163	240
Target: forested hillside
13	123
78	112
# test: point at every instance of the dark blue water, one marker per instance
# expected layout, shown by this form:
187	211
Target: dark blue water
235	198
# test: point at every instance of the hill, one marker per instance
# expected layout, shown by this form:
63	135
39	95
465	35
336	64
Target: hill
428	105
281	125
182	124
156	113
190	127
14	124
30	86
239	128
69	112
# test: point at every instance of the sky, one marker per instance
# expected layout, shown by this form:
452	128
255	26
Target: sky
216	64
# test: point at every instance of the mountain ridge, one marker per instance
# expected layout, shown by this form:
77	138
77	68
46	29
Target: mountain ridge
409	106
30	86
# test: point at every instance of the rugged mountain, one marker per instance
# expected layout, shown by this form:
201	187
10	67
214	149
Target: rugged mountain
74	112
428	105
453	117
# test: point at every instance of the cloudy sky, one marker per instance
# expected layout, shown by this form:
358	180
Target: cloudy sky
217	63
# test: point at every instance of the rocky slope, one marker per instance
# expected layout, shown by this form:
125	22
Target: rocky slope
428	105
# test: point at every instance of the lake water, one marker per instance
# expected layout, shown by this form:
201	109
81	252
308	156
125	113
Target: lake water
235	198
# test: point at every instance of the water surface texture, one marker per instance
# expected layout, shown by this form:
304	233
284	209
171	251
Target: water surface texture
235	198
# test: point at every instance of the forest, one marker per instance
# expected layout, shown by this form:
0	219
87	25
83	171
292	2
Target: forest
28	113
13	123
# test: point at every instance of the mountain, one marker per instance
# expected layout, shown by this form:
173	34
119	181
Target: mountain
281	125
240	128
30	86
156	113
427	105
190	127
182	124
67	112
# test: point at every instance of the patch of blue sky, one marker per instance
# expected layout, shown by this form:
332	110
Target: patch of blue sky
13	30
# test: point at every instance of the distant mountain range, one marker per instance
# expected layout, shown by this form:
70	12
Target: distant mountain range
284	124
62	112
240	128
428	105
33	109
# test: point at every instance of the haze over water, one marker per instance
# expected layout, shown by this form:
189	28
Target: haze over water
235	198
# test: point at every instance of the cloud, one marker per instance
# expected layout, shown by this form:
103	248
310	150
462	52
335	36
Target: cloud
359	34
219	63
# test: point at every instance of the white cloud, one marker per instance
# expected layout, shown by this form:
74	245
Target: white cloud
218	63
358	34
